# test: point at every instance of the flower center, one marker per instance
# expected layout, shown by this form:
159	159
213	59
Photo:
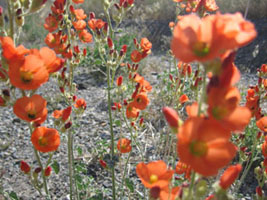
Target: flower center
42	141
201	49
26	76
153	178
198	148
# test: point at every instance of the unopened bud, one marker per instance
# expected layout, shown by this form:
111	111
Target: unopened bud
68	125
25	167
92	15
110	43
48	171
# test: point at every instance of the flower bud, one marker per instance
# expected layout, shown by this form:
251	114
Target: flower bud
25	167
103	163
110	43
119	80
259	191
68	125
172	118
48	171
230	175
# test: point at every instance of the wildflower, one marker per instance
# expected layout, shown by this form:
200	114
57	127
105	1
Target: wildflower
154	174
131	111
204	145
51	62
80	103
45	139
230	175
10	52
124	145
223	106
53	39
262	124
207	38
25	167
79	25
51	23
136	56
184	98
85	36
96	23
141	101
29	74
31	109
79	14
145	44
63	114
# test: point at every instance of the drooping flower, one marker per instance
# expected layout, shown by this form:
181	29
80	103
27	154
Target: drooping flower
124	145
154	174
45	139
31	109
230	175
204	145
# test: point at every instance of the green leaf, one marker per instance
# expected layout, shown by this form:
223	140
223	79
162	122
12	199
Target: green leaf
80	151
129	184
98	62
55	167
13	195
78	178
118	122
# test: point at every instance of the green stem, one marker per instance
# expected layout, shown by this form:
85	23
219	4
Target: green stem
106	11
246	170
124	172
191	185
111	132
70	163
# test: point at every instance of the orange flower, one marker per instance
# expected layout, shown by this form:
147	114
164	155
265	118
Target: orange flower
145	44
136	56
230	175
79	14
192	110
172	118
51	62
31	109
184	98
79	25
181	167
204	145
85	36
154	174
167	194
80	103
51	23
131	111
124	145
196	39
77	1
141	101
262	124
63	114
96	23
144	84
45	139
30	74
53	39
223	106
10	51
